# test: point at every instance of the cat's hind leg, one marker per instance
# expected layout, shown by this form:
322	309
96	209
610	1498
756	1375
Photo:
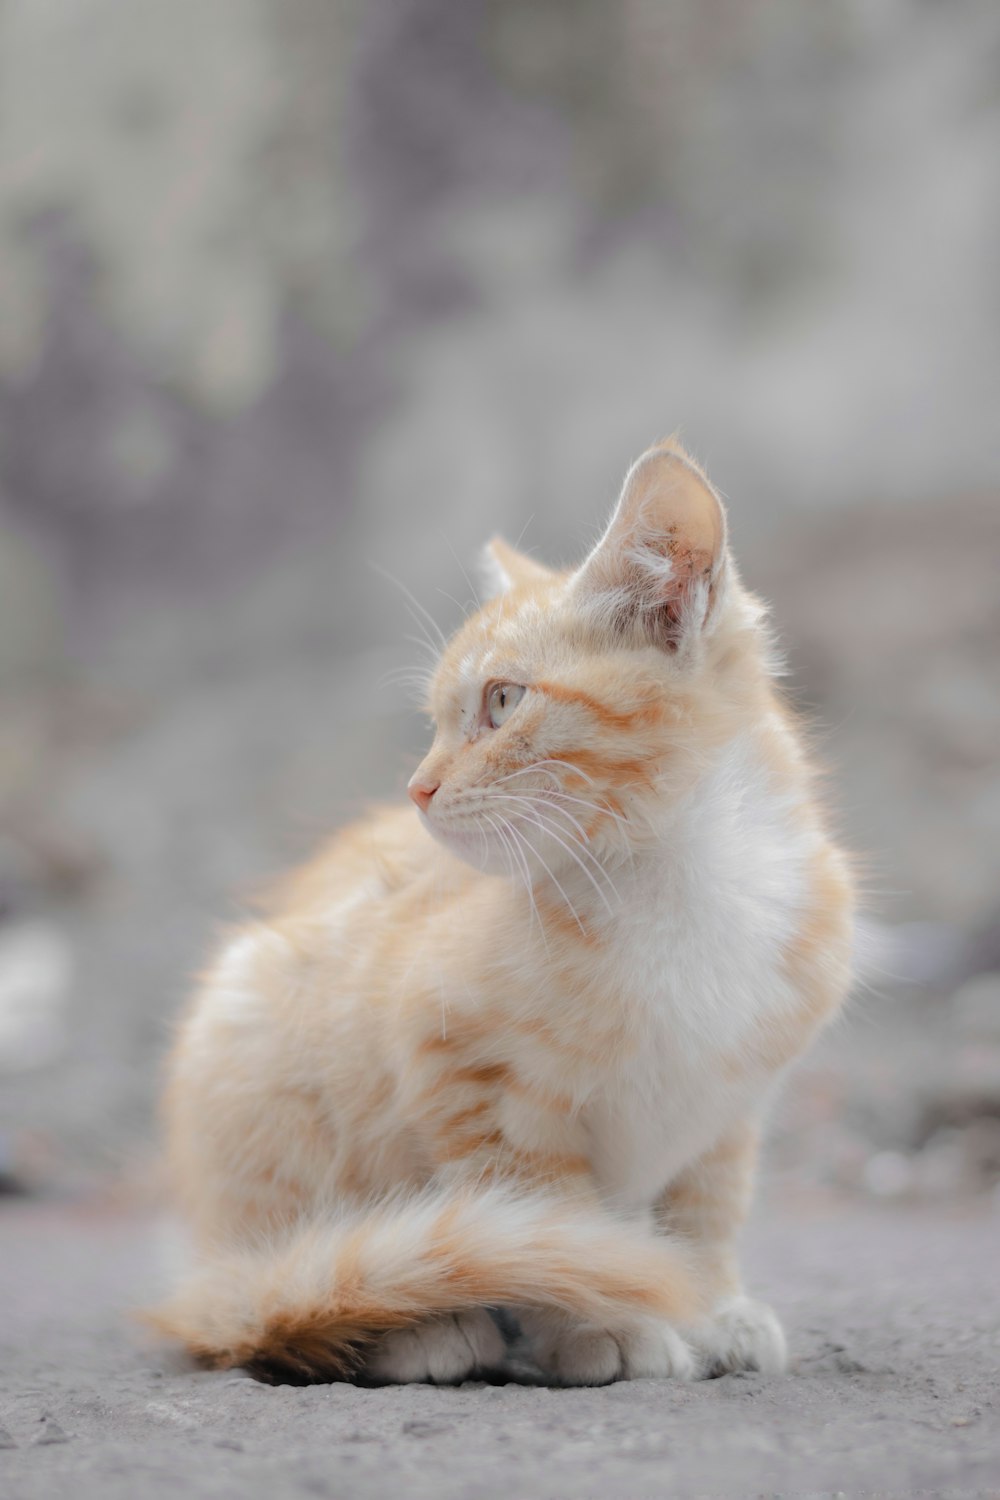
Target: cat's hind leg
571	1352
441	1351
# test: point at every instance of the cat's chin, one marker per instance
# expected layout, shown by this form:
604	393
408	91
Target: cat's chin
472	848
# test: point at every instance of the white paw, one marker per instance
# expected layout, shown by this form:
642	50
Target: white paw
442	1350
578	1354
740	1335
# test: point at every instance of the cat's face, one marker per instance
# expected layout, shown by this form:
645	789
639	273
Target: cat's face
559	706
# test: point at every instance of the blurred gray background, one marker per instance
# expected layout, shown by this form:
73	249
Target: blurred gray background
291	289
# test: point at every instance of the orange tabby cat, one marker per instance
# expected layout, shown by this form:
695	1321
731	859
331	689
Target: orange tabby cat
512	1047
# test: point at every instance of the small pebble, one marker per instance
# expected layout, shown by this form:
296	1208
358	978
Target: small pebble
51	1432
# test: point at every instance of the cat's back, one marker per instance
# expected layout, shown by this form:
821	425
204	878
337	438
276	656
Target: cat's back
380	854
282	986
318	934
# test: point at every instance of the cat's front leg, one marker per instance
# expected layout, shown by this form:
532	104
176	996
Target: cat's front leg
707	1203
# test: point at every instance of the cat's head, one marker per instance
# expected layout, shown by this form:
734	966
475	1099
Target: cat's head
576	706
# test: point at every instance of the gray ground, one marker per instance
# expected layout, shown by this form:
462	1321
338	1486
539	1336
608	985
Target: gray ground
895	1388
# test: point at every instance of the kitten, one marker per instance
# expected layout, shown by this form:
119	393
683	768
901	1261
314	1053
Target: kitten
512	1046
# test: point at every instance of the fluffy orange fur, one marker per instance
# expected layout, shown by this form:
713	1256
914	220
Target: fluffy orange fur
514	1047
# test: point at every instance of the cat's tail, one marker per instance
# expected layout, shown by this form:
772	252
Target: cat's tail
310	1306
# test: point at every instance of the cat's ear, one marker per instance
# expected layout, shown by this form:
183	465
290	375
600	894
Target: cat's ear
503	568
660	565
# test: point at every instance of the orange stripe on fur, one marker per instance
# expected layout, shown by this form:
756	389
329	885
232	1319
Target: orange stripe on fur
646	715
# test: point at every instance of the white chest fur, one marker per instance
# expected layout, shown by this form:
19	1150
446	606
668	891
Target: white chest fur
699	943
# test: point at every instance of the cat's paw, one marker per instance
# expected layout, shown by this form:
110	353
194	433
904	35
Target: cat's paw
577	1354
741	1335
440	1350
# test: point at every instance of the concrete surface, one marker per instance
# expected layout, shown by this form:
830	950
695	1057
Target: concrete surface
893	1320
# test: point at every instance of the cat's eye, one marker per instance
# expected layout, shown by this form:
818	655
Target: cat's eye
501	700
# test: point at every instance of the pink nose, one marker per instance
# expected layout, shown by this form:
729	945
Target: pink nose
421	793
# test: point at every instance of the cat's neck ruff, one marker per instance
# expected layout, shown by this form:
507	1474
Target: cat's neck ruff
736	844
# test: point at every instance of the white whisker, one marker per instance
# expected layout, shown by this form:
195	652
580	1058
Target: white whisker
542	765
597	807
555	880
465	575
567	766
503	842
535	803
548	828
425	645
525	871
414	604
413	679
580	843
